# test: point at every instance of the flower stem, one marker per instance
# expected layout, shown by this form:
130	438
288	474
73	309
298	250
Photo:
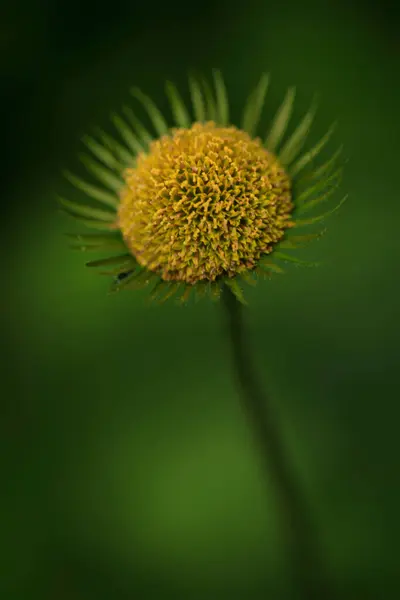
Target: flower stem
308	574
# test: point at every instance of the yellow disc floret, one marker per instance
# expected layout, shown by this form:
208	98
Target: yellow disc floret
205	202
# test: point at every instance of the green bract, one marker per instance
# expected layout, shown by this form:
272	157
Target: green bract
205	204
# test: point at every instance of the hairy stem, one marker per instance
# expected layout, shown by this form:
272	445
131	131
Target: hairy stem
309	578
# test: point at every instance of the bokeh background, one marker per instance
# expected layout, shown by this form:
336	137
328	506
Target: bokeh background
127	469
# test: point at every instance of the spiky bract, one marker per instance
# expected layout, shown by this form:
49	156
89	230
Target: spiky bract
206	204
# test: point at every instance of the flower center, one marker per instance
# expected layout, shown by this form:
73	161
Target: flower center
205	202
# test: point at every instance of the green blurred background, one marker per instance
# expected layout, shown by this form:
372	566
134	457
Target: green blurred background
127	467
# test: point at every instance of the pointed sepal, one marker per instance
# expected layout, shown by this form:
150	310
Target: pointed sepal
211	107
104	175
299	241
163	290
124	156
319	218
88	212
281	120
235	288
294	144
156	116
332	180
196	95
127	134
144	136
249	278
179	111
95	242
307	206
254	106
293	259
134	279
102	153
221	98
91	190
309	156
266	264
90	223
125	260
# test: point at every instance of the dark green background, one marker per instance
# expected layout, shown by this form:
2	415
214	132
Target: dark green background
127	467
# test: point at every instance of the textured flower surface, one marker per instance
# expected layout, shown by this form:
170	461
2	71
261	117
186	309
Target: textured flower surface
206	202
203	204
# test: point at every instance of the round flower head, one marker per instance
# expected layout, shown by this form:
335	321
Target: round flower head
204	204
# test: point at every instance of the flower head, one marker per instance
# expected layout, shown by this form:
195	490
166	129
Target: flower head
204	204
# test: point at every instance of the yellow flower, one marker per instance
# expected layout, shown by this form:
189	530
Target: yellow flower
205	204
